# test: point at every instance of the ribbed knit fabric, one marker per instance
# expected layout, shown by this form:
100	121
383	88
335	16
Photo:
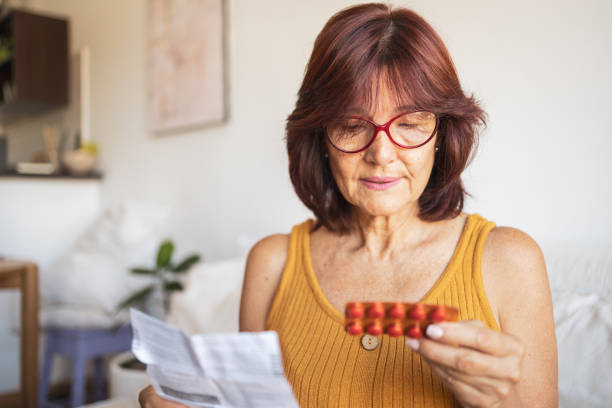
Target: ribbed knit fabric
329	368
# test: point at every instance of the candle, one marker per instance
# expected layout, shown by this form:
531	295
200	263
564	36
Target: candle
85	95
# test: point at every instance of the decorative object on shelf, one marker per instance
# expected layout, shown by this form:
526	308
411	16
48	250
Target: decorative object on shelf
186	74
155	298
82	161
51	140
85	92
35	168
46	162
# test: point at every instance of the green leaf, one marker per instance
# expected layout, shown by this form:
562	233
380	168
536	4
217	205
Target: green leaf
143	271
172	286
137	297
187	263
164	254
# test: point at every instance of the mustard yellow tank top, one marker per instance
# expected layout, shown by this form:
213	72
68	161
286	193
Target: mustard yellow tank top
329	368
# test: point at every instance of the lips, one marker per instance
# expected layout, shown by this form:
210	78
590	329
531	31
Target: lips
380	180
379	183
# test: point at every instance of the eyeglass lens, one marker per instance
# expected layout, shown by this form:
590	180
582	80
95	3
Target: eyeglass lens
408	130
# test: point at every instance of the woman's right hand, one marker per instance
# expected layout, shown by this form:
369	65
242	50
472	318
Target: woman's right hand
148	398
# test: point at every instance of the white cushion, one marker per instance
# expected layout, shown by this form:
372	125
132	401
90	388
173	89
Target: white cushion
210	301
583	326
84	287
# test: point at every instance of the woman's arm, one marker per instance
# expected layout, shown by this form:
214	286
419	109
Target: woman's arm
262	276
515	279
517	367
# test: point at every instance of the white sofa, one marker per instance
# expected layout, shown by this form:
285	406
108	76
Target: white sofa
581	284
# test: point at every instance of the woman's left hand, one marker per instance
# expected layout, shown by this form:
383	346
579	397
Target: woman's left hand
480	365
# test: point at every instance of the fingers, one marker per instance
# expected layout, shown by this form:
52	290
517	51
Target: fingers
465	392
479	365
474	335
143	396
468	361
148	398
483	394
487	385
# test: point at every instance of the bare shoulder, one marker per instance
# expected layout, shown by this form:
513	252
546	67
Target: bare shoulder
262	275
513	268
269	252
511	247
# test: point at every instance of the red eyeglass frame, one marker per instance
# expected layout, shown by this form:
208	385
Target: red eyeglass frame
377	128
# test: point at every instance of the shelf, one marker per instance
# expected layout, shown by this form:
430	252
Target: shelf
61	176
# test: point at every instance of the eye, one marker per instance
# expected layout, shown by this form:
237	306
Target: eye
353	128
408	125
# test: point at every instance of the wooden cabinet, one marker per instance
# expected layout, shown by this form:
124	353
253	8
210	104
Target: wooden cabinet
33	64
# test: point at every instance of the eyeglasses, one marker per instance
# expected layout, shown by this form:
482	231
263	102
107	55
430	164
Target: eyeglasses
408	130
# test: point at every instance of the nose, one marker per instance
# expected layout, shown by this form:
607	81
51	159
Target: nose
382	151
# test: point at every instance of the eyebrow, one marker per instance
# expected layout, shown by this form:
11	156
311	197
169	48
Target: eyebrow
361	112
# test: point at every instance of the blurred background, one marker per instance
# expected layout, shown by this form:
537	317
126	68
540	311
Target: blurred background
541	70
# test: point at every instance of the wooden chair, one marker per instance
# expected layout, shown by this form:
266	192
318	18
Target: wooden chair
24	276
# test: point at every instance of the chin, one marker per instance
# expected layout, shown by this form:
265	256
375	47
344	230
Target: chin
383	209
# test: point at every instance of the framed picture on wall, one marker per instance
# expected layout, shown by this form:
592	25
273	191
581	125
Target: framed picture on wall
186	85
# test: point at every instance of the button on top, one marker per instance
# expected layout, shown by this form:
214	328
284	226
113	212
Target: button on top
369	342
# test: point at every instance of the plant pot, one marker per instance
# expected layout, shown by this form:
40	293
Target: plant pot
124	379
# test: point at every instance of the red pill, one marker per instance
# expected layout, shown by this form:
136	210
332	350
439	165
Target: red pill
376	311
397	311
414	331
355	311
354	328
437	315
395	330
418	312
375	329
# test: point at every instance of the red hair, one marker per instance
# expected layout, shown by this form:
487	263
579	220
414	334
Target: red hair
360	49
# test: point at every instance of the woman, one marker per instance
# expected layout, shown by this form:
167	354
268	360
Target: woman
377	142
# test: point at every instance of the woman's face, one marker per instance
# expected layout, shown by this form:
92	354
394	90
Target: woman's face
384	179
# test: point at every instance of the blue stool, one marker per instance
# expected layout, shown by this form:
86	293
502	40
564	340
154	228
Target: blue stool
81	345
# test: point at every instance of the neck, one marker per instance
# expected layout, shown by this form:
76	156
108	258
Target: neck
381	235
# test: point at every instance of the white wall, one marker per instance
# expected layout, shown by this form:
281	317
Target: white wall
39	220
542	70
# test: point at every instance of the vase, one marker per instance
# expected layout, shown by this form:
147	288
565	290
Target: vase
156	304
125	382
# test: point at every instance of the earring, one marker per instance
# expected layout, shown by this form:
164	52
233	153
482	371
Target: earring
437	148
326	155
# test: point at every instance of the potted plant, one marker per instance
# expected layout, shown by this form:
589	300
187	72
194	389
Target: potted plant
126	374
154	299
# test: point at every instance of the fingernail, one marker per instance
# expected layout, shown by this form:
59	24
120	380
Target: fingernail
434	331
413	343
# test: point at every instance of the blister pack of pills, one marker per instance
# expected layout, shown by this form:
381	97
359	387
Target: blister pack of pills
395	318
